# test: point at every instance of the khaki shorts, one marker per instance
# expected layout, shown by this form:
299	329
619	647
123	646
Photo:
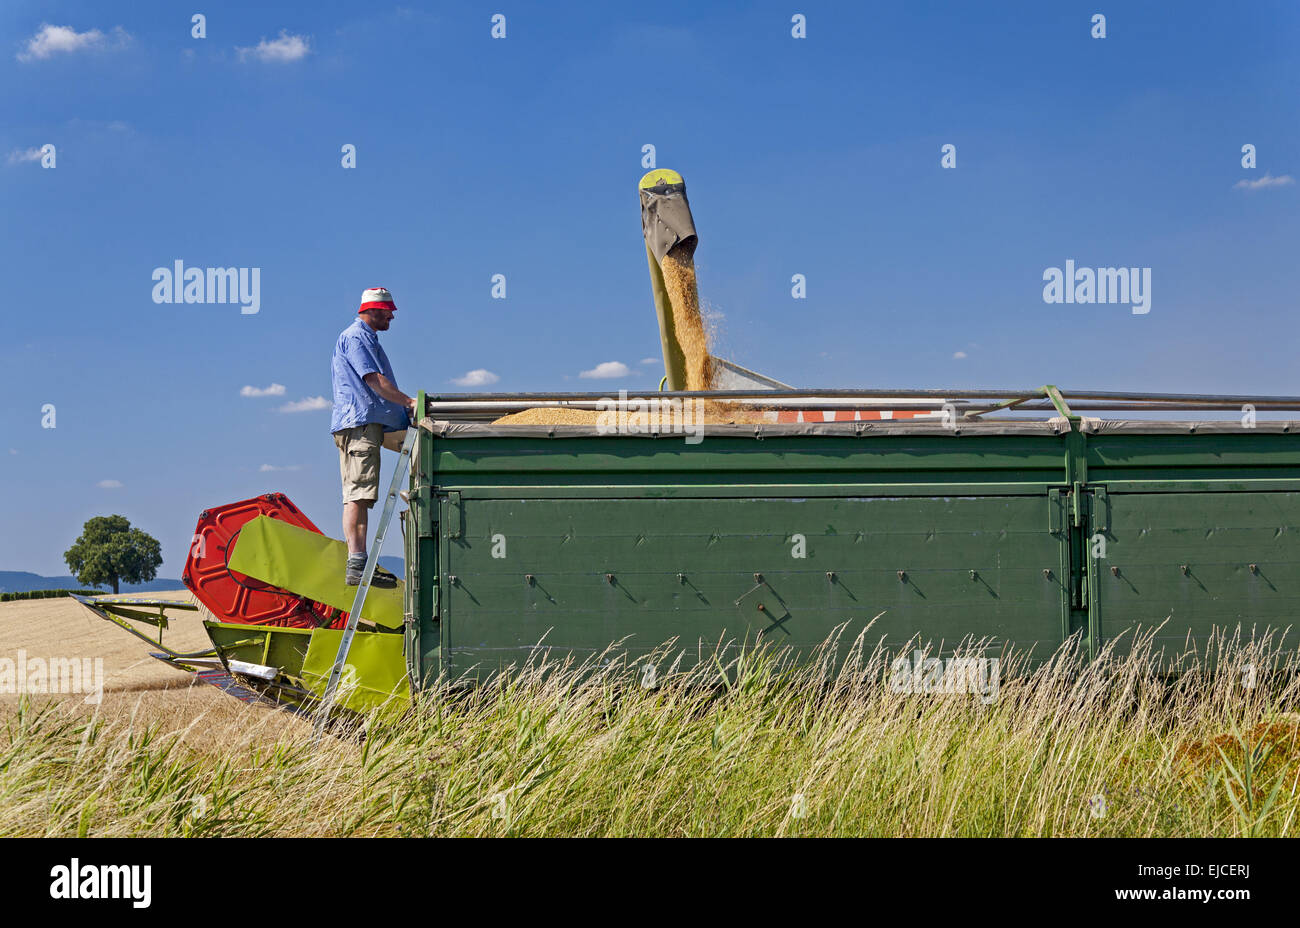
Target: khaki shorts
359	459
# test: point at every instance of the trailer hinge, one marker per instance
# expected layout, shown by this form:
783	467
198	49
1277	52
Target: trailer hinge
423	507
1077	504
1055	512
1076	534
1078	568
1100	510
456	514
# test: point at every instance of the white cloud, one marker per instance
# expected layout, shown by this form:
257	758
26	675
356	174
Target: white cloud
99	125
275	389
479	377
1264	182
286	48
21	155
648	361
606	370
268	468
13	450
958	355
50	40
109	484
310	404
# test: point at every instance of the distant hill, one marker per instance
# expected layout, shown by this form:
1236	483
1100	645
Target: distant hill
20	581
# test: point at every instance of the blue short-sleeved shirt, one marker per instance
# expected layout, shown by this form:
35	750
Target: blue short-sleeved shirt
356	354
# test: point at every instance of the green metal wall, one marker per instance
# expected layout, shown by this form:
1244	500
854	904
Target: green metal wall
519	536
1183	564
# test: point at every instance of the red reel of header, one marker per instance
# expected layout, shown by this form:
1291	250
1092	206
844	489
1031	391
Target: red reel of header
235	597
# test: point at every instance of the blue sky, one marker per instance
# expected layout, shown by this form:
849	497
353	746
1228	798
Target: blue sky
520	156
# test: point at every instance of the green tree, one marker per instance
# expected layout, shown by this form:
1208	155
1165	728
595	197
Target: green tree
109	551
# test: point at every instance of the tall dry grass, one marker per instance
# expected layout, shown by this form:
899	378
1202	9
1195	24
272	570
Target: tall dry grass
752	745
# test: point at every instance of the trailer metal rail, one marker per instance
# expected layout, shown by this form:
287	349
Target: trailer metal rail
969	404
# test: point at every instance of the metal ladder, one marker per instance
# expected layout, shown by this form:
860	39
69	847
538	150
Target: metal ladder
372	561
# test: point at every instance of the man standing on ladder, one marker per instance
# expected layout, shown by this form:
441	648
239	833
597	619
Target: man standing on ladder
369	412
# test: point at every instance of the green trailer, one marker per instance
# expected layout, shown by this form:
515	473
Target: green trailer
1011	519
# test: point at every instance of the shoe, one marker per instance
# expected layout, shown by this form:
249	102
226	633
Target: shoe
383	579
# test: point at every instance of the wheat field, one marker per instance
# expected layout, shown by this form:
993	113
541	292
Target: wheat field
753	745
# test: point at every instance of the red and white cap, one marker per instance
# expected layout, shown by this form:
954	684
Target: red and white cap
377	298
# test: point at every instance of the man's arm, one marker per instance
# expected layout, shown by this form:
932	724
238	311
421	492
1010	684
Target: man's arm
388	390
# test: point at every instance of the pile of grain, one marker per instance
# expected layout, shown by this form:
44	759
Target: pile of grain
706	411
550	415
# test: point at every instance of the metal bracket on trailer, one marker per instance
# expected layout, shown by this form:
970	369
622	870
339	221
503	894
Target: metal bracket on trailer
1100	509
1053	393
455	515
